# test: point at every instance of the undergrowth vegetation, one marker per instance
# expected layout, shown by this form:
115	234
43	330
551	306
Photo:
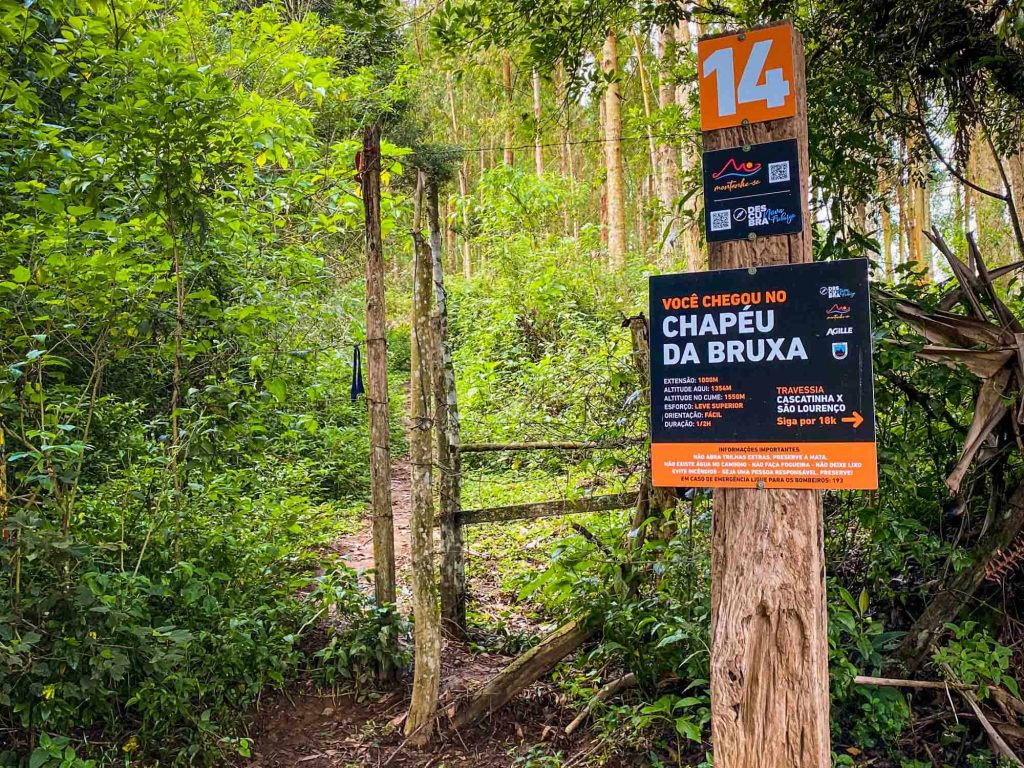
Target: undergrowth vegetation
180	294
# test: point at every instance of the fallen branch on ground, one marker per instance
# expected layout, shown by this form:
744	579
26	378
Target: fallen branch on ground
998	742
1003	698
523	671
607	691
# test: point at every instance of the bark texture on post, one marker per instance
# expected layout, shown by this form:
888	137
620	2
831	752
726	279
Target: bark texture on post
377	375
449	459
769	651
427	661
616	182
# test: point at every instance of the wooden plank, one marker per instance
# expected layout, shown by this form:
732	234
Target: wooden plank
624	442
549	508
769	649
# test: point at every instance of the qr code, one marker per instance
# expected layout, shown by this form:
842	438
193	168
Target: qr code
778	172
721	220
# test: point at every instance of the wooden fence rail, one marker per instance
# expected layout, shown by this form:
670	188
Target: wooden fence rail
605	503
451	518
624	442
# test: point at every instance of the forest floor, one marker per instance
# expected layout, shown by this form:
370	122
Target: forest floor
311	728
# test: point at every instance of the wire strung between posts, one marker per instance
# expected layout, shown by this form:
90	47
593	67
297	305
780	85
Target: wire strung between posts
573	143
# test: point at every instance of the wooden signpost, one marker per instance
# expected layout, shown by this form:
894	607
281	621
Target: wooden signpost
769	652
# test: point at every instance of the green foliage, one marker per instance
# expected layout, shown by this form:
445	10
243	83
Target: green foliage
538	757
976	659
363	641
174	387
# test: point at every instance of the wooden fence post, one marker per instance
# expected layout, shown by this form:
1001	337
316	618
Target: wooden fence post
651	498
426	612
769	639
449	460
377	374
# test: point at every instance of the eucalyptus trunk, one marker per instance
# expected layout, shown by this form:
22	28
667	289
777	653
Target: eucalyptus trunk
615	176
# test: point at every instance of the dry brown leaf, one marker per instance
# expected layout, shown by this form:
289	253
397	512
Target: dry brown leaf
982	363
988	412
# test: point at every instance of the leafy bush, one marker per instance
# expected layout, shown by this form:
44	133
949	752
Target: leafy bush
363	640
179	441
976	659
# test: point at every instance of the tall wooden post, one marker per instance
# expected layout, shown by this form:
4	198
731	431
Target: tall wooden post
377	374
769	648
449	461
427	661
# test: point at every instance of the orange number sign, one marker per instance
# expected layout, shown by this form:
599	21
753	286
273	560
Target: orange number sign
748	77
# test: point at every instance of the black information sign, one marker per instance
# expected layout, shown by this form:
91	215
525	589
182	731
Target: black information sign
753	189
762	377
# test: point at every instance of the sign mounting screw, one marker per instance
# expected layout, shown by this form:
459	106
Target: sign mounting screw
760	485
751	235
752	271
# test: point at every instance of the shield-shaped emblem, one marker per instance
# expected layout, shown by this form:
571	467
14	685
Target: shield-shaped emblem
840	349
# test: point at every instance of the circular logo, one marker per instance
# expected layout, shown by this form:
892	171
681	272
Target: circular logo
740	214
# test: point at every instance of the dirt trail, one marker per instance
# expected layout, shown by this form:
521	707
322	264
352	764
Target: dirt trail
307	728
357	548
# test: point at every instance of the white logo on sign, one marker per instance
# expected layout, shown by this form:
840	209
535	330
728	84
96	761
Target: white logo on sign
836	292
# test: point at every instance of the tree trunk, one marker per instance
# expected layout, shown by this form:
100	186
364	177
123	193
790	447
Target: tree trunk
921	221
883	211
644	208
916	221
377	376
1015	164
667	166
449	459
648	111
506	81
769	650
616	182
690	227
538	151
427	670
903	228
565	150
467	266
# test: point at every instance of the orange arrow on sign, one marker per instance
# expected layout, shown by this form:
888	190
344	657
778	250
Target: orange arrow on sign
856	419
